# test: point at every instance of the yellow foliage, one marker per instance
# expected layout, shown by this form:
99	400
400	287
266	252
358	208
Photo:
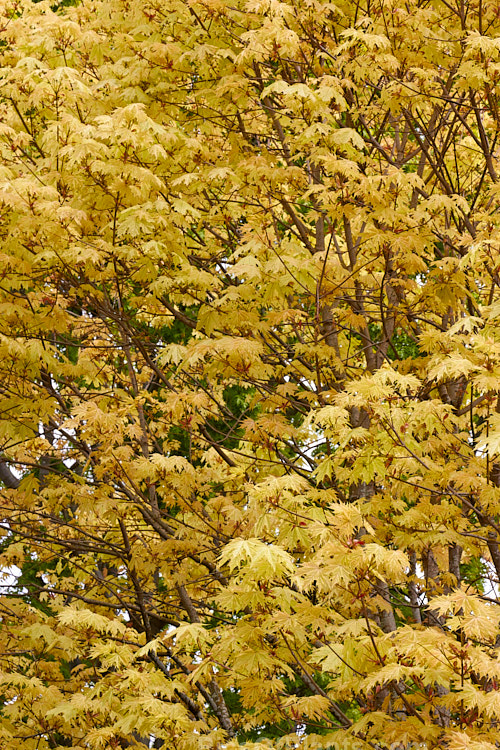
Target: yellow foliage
249	374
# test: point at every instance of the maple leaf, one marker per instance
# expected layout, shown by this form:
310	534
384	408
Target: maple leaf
249	367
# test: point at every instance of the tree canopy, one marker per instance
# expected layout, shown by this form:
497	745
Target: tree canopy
250	374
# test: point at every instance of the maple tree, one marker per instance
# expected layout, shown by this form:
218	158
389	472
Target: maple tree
250	368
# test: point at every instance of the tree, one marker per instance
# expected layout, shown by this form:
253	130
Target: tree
250	367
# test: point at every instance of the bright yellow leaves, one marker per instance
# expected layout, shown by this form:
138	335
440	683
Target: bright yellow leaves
249	375
256	561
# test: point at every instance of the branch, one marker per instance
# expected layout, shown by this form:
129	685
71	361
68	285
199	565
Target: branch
7	477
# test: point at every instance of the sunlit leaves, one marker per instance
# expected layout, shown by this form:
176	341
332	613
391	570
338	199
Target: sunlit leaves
249	359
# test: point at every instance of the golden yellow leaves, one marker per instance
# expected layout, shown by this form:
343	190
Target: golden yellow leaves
256	561
249	360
